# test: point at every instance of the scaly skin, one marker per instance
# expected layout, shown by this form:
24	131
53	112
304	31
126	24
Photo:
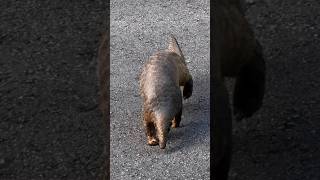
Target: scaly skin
160	83
103	76
237	54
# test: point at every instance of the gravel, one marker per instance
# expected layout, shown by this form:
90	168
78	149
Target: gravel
138	29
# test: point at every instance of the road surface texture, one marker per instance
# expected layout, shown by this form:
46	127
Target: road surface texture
50	126
282	141
138	29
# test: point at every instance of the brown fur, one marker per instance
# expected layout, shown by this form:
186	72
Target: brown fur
104	69
236	54
104	106
160	83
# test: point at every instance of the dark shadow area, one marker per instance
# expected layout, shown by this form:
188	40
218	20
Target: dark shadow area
50	124
197	129
282	140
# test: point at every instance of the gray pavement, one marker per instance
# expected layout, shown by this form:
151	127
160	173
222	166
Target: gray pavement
50	126
138	29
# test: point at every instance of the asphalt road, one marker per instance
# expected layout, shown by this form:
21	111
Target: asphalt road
50	126
138	29
282	140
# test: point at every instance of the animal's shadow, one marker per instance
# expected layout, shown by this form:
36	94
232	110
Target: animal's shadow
194	127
